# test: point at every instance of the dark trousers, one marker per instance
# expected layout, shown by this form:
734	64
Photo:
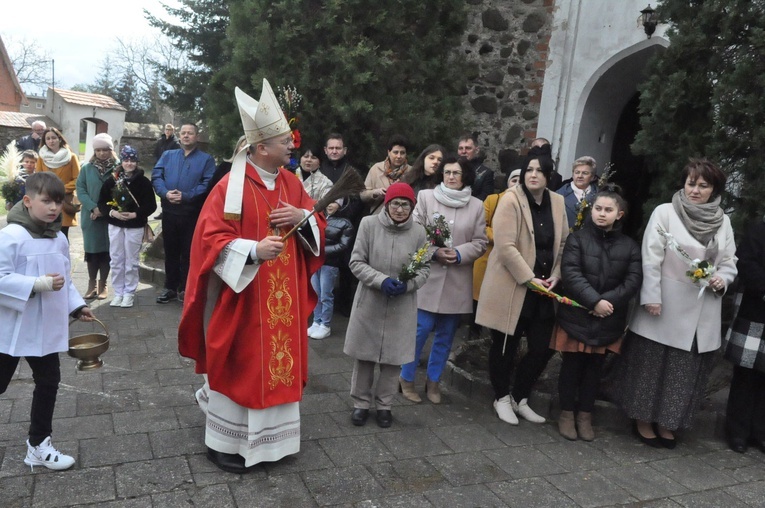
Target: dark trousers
46	373
579	377
177	232
745	414
538	332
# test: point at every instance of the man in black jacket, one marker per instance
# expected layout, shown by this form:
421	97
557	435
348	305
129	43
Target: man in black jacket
32	141
467	147
166	141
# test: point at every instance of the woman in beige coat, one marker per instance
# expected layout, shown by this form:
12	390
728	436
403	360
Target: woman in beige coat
383	174
384	314
448	293
530	230
674	333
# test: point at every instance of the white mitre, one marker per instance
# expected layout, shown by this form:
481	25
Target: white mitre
261	120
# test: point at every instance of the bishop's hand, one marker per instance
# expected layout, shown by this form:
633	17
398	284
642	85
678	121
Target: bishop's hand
286	215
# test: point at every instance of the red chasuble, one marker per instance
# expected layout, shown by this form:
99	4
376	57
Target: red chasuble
255	348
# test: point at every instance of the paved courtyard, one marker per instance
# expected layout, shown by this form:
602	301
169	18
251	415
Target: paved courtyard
137	435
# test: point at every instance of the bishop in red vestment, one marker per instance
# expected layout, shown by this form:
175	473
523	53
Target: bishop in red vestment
247	303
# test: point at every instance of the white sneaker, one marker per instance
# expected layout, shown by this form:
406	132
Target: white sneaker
312	329
322	332
504	409
116	302
127	301
46	455
527	413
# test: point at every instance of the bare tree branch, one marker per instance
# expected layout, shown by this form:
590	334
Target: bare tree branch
31	63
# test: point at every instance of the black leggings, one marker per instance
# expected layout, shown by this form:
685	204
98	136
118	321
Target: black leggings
46	373
579	377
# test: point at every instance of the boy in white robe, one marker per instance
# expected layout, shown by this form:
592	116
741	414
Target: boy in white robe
37	298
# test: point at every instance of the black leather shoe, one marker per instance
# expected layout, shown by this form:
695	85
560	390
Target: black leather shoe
229	462
359	417
664	441
737	444
384	418
166	296
653	442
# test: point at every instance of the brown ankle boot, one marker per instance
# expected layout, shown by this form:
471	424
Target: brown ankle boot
103	291
584	426
91	293
566	425
408	390
433	391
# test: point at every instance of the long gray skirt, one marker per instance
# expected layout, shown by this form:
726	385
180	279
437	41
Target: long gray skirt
662	384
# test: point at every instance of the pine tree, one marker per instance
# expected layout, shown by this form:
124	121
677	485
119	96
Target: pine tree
200	33
365	69
705	97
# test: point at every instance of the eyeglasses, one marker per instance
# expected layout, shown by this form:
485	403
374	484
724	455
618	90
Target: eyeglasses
286	142
453	173
403	205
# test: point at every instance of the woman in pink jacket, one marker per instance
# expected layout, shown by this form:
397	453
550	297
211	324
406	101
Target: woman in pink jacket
449	291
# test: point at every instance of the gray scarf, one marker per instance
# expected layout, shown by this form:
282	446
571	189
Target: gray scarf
452	197
701	220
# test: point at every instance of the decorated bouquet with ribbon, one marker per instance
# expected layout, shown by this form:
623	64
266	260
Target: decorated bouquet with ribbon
439	231
699	270
417	260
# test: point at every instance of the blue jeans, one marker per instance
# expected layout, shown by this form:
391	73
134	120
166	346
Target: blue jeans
445	326
323	283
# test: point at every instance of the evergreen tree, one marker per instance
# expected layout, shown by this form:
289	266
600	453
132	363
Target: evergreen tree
106	81
705	97
365	69
200	34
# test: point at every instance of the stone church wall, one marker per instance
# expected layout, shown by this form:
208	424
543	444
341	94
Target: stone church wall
506	49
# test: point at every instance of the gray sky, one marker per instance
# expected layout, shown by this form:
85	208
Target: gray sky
77	34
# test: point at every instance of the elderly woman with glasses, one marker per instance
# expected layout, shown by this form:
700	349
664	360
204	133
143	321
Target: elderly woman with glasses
381	327
449	291
582	185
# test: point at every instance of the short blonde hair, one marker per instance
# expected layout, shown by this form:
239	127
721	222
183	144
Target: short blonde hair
585	160
169	126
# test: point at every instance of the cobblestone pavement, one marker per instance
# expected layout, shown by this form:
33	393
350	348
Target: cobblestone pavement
137	435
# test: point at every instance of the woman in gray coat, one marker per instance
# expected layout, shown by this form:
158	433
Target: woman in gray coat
383	321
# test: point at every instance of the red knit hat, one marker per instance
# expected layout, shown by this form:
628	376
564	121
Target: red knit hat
400	190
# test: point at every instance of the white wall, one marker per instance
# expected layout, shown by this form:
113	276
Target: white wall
68	117
586	87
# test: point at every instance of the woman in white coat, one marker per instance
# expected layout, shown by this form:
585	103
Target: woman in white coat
676	330
448	293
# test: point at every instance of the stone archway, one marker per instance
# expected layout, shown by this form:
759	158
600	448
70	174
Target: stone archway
608	120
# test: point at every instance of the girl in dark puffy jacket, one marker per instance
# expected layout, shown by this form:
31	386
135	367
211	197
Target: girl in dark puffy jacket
602	270
338	238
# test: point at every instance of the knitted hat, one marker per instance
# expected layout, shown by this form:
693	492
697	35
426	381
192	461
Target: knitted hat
400	190
128	153
514	173
102	140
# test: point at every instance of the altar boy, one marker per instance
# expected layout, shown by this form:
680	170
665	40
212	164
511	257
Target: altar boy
37	298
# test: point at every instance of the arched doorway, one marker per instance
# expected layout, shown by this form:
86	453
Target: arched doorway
609	122
89	127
